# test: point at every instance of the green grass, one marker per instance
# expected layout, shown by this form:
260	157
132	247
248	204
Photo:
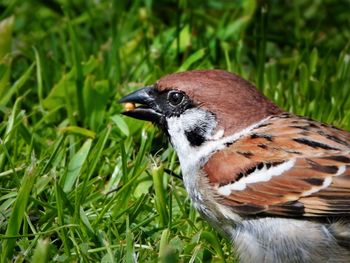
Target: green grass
80	182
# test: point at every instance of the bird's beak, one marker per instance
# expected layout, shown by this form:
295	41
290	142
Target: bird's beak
148	109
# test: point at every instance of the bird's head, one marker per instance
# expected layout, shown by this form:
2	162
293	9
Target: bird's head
200	104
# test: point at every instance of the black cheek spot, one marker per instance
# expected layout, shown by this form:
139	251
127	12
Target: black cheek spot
194	137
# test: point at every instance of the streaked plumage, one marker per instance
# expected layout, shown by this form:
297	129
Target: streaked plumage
277	184
316	183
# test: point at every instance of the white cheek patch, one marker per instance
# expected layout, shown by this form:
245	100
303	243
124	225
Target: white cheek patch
177	127
192	117
259	175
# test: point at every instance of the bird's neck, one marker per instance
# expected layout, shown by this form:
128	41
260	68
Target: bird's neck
193	157
195	137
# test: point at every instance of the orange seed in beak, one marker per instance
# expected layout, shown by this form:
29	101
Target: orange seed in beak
129	106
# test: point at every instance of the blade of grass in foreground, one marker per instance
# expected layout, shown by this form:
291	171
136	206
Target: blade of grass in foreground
166	254
6	26
17	85
41	251
17	214
157	174
75	166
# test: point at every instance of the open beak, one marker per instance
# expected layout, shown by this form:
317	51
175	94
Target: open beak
148	109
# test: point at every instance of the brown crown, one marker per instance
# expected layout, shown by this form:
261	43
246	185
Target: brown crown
236	103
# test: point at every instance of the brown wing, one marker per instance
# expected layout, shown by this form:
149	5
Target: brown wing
289	166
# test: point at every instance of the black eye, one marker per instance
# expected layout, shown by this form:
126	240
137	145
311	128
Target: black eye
175	98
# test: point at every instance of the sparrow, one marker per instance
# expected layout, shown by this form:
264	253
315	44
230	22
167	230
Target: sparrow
276	184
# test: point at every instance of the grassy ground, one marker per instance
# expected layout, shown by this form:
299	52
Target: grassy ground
81	183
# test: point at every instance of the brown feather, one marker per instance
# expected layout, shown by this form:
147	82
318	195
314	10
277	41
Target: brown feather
298	191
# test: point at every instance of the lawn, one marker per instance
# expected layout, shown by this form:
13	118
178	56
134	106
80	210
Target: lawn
81	183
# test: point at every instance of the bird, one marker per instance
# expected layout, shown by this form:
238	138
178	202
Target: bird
274	183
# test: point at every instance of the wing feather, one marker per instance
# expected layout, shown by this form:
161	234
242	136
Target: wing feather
318	183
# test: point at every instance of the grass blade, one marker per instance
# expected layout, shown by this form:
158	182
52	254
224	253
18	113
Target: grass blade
160	198
17	85
18	210
41	251
75	166
6	27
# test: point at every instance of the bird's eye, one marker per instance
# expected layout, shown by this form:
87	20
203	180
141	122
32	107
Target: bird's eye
175	98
